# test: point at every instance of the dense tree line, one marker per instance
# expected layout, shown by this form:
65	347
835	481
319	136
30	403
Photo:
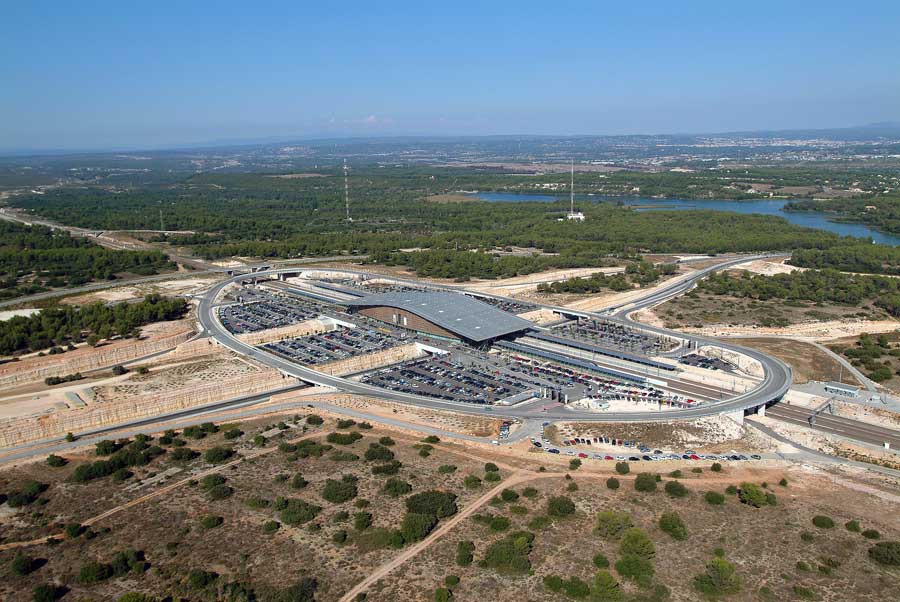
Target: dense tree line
65	324
871	259
821	286
35	258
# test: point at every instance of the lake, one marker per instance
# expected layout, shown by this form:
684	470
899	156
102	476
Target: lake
820	221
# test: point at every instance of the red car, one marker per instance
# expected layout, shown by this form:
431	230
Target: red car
695	457
608	458
582	455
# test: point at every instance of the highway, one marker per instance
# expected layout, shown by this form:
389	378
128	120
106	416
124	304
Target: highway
775	383
837	425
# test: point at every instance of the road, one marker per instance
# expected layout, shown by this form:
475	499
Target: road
775	382
837	425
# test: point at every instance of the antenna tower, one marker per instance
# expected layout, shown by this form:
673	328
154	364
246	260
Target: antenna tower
347	192
572	188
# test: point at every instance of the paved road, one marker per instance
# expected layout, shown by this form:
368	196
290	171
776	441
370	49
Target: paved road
837	425
775	383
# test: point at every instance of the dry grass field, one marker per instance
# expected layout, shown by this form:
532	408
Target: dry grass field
267	540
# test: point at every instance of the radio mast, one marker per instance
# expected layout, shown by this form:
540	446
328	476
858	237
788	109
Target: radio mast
572	188
347	192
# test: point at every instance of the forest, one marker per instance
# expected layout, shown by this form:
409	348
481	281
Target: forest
820	286
259	215
64	325
870	259
37	258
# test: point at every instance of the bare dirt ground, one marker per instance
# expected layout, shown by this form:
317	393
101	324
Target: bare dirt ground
178	286
452	198
808	361
715	315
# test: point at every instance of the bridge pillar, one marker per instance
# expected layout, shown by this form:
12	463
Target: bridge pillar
737	416
761	410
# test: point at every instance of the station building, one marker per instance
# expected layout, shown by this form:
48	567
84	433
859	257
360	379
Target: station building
443	314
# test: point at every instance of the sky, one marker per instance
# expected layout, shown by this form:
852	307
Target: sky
104	75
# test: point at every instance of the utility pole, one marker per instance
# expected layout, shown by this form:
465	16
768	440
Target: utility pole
162	227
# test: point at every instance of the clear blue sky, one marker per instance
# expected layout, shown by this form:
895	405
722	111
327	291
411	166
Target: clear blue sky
96	74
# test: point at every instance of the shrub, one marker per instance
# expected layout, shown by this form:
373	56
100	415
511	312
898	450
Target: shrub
806	536
675	489
343	456
442	594
183	454
492	477
27	495
362	521
636	542
612	524
645	482
48	592
714	498
622	468
510	554
771	499
213	480
716	467
220	492
636	568
387	441
752	495
56	461
391	468
539	522
676	474
416	526
871	534
672	524
530	493
314	420
574	464
719	579
271	526
338	492
296	512
822	522
576	588
22	565
464	553
802	566
343	438
605	588
199	579
560	506
852	526
509	495
451	580
803	592
491	467
344	424
499	523
211	521
298	482
697	470
886	553
396	487
432	439
447	469
573	486
612	483
233	433
94	572
731	490
553	582
601	561
439	503
783	482
471	482
377	451
215	455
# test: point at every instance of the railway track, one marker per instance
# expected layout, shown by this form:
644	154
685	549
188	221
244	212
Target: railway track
836	425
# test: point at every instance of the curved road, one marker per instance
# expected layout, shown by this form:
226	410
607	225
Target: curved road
775	383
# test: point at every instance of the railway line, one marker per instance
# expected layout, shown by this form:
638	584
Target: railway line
837	425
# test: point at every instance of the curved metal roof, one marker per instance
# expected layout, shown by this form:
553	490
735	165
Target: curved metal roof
454	312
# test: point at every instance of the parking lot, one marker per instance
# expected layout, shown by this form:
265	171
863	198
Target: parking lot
438	377
614	336
710	363
331	346
513	307
260	310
